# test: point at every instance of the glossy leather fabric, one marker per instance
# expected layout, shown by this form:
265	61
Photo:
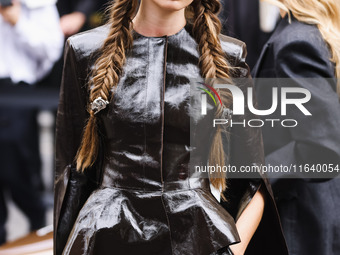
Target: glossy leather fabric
139	197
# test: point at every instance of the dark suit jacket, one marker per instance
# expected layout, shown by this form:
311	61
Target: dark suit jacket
69	6
240	19
308	206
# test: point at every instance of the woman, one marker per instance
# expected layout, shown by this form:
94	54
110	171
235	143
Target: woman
132	191
305	50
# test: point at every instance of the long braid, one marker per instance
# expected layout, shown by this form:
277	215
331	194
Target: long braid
108	68
213	64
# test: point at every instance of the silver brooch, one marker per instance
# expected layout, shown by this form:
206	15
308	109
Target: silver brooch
227	112
98	104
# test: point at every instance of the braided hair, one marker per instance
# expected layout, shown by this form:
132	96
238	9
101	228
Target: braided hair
108	67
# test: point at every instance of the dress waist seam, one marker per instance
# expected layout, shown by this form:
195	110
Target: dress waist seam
160	191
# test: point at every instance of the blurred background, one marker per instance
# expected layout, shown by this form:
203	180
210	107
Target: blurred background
32	37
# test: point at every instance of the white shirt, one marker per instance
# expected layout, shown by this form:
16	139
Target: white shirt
269	15
29	49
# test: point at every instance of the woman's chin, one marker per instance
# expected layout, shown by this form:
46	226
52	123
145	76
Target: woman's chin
172	5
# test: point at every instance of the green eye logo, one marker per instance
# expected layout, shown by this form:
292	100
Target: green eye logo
209	93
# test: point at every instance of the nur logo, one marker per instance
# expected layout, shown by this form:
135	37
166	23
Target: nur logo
204	97
239	100
238	106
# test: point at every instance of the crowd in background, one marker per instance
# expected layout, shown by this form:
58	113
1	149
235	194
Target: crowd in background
32	36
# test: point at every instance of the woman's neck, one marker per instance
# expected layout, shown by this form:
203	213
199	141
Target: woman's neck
152	20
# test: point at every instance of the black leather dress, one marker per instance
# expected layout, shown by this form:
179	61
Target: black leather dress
139	197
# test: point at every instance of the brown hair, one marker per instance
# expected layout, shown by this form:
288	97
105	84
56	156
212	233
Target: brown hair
108	67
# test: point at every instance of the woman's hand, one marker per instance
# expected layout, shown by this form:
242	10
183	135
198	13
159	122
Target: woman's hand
11	14
248	222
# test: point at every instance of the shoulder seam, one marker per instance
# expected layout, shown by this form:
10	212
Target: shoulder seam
241	48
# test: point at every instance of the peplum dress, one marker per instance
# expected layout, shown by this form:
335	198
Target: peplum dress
140	196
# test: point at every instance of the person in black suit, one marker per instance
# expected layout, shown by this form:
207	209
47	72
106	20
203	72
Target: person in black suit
73	14
241	19
298	51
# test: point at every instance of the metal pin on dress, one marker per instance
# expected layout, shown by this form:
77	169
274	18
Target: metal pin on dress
98	104
227	112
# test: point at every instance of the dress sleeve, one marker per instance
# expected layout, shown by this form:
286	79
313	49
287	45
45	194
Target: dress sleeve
246	149
72	188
